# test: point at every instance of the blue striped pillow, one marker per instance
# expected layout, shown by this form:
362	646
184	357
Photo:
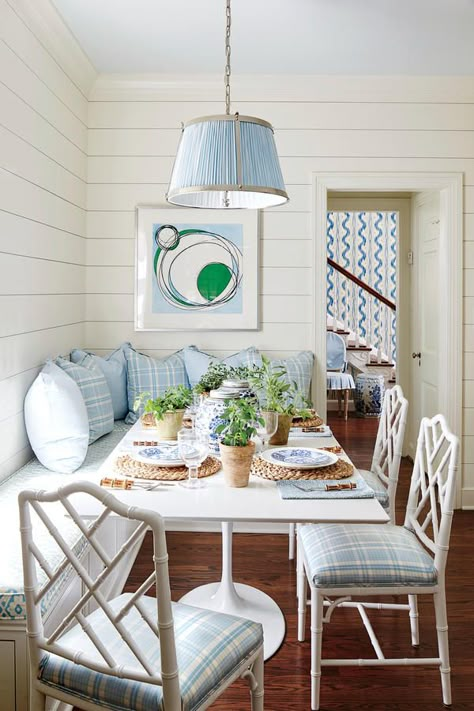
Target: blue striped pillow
151	375
96	395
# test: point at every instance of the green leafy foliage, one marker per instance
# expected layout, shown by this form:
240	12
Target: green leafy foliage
175	398
272	389
212	378
241	416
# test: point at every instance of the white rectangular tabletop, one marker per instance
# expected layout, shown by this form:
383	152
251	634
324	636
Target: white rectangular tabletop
259	501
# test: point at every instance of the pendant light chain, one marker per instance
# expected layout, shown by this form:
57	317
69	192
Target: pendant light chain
227	58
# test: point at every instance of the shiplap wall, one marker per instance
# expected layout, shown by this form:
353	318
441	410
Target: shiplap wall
322	124
43	169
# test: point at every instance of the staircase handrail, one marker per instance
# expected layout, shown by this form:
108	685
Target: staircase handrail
362	284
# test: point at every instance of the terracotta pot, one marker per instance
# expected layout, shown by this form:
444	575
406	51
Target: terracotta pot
168	427
283	430
236	463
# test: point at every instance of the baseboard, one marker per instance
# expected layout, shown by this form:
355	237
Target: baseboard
467	498
215	527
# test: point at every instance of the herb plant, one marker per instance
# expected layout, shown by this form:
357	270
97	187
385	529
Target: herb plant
241	416
175	398
212	378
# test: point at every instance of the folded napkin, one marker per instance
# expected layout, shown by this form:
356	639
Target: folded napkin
297	432
316	489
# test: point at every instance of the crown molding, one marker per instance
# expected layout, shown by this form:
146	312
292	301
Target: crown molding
281	87
49	28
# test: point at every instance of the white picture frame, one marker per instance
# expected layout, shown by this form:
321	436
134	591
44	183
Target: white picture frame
196	269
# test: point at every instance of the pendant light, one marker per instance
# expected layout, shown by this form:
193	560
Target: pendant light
227	160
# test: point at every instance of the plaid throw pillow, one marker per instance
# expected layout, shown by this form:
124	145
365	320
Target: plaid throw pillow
299	369
96	395
150	375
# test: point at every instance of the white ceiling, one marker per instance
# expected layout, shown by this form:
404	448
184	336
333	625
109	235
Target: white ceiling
276	36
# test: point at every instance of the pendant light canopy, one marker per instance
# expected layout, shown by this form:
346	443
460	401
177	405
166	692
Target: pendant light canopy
227	161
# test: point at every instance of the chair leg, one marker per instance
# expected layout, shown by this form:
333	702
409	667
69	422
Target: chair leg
291	541
317	611
443	645
37	700
301	591
339	403
257	689
346	404
415	635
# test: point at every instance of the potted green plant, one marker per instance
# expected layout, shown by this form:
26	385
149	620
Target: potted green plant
212	378
276	394
236	447
167	409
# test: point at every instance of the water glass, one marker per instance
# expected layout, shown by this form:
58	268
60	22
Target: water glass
193	449
269	427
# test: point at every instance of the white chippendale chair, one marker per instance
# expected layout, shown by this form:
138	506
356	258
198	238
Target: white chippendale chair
385	467
135	651
384	470
340	561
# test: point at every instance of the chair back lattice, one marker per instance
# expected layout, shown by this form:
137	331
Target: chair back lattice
430	504
335	352
94	587
389	443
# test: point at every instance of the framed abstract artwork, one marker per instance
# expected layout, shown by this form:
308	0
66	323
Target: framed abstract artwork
196	269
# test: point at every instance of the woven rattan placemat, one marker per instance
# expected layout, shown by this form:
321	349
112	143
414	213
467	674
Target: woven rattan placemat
139	470
315	421
339	470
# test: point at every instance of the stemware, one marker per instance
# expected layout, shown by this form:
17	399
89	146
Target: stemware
268	428
193	448
193	407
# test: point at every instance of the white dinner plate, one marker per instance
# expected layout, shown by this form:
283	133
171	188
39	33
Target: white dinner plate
165	455
299	457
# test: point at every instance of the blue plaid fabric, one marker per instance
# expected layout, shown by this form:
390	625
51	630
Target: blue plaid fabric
96	394
209	647
299	369
381	493
347	555
150	375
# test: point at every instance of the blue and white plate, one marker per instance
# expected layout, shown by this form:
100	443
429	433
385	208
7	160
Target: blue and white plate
166	455
299	457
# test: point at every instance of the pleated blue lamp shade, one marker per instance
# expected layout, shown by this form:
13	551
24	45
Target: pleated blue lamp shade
227	161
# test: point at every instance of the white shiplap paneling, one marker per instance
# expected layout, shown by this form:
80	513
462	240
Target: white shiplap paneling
43	167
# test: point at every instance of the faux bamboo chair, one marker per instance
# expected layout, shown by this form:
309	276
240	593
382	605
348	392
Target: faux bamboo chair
385	467
135	651
341	561
383	474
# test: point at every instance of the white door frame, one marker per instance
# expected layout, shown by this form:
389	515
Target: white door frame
450	186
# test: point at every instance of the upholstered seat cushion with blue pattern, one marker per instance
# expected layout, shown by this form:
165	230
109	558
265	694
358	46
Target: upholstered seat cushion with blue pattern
34	476
209	647
365	555
381	493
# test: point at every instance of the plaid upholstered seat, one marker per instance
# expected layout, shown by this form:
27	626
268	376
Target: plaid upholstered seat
355	555
381	493
209	647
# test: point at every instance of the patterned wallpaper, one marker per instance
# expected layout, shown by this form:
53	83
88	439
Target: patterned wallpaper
365	243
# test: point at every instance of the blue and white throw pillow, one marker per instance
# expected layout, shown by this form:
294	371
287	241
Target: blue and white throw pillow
96	395
299	370
197	362
151	375
114	368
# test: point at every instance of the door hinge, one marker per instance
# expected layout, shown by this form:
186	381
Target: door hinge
410	258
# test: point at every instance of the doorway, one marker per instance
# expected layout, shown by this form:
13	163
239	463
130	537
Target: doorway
448	251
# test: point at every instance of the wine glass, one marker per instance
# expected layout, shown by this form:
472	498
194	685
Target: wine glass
193	408
268	428
193	448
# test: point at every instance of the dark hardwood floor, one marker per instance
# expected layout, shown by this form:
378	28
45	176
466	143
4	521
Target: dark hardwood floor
262	560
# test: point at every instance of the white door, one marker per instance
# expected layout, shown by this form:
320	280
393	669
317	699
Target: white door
425	321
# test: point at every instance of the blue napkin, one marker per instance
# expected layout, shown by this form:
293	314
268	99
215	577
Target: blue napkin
316	489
